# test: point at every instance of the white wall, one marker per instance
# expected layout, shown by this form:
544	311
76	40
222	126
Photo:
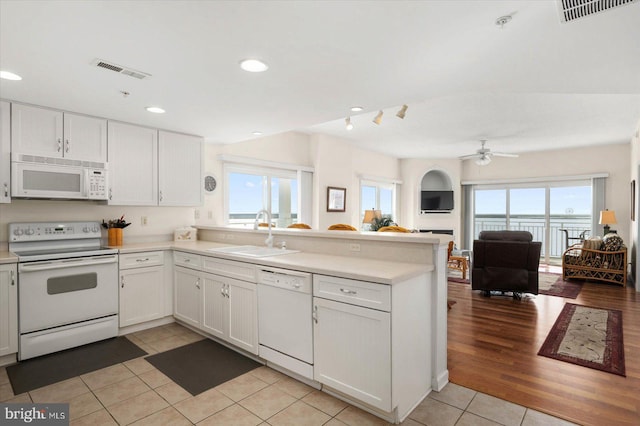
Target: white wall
413	171
634	233
161	221
610	159
335	162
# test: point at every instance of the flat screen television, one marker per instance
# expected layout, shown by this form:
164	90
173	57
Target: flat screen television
436	201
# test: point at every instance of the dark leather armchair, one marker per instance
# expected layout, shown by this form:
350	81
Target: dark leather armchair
505	261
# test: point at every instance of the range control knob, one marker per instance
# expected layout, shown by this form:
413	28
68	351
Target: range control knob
86	229
18	232
95	229
30	231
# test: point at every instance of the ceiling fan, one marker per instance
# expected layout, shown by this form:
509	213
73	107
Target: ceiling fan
483	155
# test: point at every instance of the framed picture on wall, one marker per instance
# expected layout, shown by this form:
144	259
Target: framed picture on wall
336	199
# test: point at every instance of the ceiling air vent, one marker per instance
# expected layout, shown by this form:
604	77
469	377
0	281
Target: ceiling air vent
570	10
120	69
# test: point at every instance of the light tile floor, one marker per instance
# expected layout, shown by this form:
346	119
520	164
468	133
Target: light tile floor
135	392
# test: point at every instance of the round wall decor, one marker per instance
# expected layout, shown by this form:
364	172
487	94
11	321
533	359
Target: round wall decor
210	183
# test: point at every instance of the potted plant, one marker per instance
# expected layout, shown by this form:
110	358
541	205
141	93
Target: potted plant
380	222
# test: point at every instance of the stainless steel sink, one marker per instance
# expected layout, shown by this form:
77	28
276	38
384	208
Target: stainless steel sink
253	251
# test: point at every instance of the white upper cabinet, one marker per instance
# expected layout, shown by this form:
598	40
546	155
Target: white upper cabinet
180	169
51	133
85	138
5	152
133	165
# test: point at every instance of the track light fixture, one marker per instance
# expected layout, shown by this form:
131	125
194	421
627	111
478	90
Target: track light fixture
348	123
402	111
378	118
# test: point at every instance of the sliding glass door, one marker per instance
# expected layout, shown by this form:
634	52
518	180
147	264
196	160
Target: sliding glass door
556	214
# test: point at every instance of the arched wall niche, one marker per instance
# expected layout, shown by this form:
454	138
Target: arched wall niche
436	180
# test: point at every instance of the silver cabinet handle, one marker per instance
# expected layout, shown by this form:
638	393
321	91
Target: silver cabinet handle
226	290
187	260
146	259
66	143
161	197
122	281
347	291
315	314
6	189
222	291
110	193
59	144
198	283
13	278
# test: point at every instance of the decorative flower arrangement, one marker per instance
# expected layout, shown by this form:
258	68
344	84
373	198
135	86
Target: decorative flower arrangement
115	223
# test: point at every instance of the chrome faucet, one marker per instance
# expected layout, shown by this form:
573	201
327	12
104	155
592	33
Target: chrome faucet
269	240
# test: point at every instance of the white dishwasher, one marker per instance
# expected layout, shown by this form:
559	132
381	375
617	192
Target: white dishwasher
285	328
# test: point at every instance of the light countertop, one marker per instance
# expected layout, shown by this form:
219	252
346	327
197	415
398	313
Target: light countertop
384	272
8	257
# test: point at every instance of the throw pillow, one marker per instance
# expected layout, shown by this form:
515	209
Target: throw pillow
612	242
592	244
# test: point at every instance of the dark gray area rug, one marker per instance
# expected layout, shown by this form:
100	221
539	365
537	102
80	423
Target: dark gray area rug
44	370
202	365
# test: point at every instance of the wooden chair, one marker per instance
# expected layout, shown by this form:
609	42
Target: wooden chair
299	226
459	263
393	229
341	227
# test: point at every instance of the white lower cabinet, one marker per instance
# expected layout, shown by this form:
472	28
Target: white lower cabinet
219	305
352	350
141	287
8	309
187	295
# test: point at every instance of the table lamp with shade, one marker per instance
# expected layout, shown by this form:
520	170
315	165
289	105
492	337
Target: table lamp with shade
607	217
370	215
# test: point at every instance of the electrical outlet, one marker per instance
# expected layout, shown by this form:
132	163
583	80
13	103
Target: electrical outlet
196	214
354	247
144	221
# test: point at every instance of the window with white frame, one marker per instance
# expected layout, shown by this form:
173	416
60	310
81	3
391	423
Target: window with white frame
378	194
285	193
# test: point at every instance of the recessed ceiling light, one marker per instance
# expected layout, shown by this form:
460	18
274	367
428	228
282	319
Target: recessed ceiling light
253	65
9	75
156	110
256	133
356	108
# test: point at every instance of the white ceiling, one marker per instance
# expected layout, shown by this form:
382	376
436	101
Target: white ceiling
536	84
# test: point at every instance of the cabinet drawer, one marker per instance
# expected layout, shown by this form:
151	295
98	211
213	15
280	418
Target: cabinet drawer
360	293
141	260
229	268
188	260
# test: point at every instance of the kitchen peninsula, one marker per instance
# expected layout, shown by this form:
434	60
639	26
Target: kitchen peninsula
412	267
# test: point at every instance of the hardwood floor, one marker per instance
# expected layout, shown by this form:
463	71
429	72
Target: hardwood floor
493	345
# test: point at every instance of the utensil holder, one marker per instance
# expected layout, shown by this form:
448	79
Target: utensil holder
115	236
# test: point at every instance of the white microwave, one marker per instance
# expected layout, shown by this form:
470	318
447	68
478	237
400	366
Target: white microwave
44	177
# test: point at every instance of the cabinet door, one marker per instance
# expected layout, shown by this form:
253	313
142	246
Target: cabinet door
85	138
214	305
5	151
133	165
36	131
187	295
8	310
141	295
243	315
180	169
352	351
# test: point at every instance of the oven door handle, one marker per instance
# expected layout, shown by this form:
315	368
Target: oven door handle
66	263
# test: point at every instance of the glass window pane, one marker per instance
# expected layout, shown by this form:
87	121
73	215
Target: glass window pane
386	202
490	210
570	216
245	197
527	211
368	198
